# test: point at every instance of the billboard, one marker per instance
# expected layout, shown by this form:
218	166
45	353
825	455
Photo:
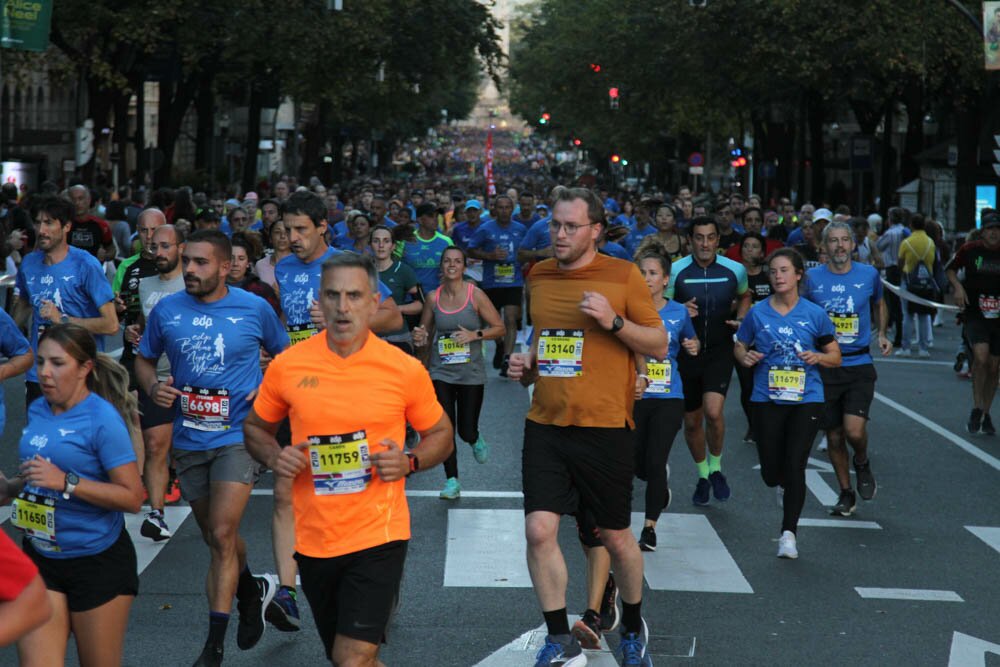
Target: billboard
991	34
986	197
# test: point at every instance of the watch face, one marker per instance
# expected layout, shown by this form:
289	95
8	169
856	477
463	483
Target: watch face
72	478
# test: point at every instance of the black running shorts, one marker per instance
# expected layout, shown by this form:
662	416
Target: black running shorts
566	468
849	391
980	330
710	371
354	594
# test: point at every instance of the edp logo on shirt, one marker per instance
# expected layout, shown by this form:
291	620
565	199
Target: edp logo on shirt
202	321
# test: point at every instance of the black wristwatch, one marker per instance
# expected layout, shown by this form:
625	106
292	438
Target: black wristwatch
479	333
617	324
71	481
414	463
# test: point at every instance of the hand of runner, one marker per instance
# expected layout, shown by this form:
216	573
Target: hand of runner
751	358
692	306
119	305
640	386
884	345
519	366
500	254
419	336
316	315
597	306
132	334
464	336
961	298
290	460
164	394
265	360
5	495
810	357
44	474
734	323
49	312
691	345
391	464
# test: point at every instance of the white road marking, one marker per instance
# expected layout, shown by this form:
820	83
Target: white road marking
690	556
146	549
924	595
486	549
963	444
425	493
839	523
914	361
824	492
987	534
822	465
969	651
522	651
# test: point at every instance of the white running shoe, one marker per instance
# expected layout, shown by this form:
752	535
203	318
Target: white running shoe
786	545
822	445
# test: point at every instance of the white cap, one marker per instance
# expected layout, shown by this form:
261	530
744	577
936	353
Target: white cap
874	219
822	214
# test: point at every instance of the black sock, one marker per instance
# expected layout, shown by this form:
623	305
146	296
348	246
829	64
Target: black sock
246	588
217	625
556	621
632	617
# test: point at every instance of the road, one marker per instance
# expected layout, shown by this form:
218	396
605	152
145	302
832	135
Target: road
911	579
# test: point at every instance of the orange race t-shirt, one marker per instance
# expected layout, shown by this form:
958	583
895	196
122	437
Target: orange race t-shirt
345	408
586	375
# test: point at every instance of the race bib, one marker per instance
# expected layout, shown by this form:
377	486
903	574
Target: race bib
452	352
659	376
787	383
989	306
36	516
340	464
503	273
300	332
560	353
846	326
205	409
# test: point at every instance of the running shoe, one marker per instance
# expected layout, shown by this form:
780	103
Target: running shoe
611	613
959	361
823	445
647	539
845	504
924	354
633	648
481	450
251	626
866	481
452	489
787	548
975	421
720	488
560	651
748	437
283	612
701	492
154	527
211	656
173	495
903	352
587	630
987	427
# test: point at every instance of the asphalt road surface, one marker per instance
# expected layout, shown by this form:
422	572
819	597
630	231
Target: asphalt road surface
911	579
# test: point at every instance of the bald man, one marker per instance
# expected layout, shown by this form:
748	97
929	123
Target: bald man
89	232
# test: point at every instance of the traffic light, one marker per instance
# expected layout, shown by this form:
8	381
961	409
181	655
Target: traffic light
594	67
577	142
736	157
613	97
615	159
544	120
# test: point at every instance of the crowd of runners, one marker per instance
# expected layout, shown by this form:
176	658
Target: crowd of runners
341	339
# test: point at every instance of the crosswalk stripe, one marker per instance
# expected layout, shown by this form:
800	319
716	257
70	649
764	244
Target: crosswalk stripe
918	594
819	488
486	549
146	549
839	523
521	650
987	534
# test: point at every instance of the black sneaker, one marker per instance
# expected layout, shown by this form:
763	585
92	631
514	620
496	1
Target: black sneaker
845	504
647	539
866	481
211	656
987	427
975	421
251	626
283	612
701	491
720	487
959	362
588	630
154	527
610	612
748	437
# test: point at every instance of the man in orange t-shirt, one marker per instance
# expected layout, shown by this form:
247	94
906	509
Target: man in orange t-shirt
348	396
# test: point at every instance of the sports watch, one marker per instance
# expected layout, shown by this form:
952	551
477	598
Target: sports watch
71	481
414	463
617	324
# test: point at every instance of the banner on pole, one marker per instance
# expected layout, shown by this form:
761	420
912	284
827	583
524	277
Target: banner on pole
491	186
991	34
25	24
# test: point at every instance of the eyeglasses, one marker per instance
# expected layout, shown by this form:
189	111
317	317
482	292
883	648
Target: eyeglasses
162	246
570	229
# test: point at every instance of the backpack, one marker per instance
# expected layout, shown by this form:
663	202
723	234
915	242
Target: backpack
920	280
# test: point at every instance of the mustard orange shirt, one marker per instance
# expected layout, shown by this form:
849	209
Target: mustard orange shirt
337	404
602	395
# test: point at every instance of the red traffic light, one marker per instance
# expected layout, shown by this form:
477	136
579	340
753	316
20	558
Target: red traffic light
595	67
577	142
616	158
546	116
613	93
738	162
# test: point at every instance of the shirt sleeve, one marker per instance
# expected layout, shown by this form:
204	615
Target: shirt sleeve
275	338
422	407
824	325
876	286
748	328
957	262
687	328
639	305
105	230
22	286
97	284
270	405
12	341
479	237
742	282
112	443
16	569
116	284
673	281
384	291
151	344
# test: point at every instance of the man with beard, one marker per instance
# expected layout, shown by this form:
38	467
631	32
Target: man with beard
851	294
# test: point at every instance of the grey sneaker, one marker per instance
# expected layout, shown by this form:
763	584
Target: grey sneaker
866	481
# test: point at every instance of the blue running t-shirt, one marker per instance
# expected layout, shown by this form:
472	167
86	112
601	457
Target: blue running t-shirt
847	298
490	236
664	378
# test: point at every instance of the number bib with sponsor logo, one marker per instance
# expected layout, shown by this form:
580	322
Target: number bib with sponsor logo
36	516
989	306
205	409
340	464
452	352
659	376
786	383
300	332
847	326
560	353
503	273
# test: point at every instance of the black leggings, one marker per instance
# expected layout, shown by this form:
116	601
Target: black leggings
465	401
785	434
745	376
657	421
